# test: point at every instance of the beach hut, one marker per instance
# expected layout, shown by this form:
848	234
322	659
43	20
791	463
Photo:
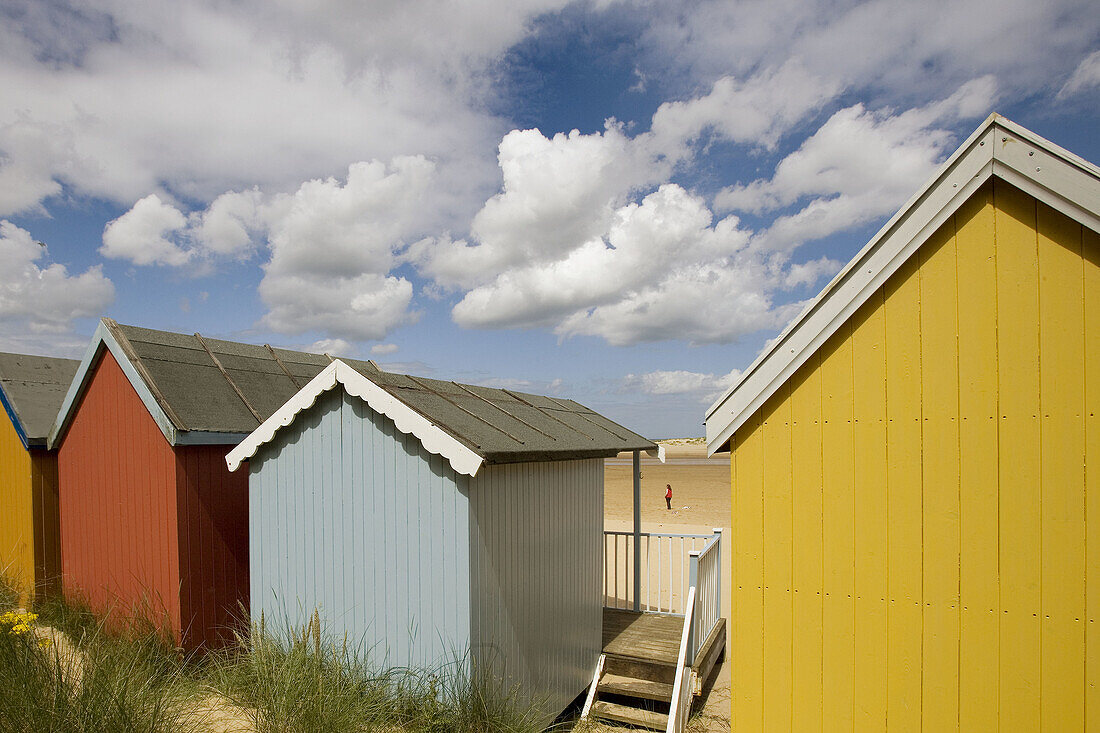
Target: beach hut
915	466
151	520
31	390
433	523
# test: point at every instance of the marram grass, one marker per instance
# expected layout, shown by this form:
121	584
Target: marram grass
297	682
64	669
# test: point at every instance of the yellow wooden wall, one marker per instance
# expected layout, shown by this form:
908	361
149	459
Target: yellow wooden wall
30	550
16	508
910	539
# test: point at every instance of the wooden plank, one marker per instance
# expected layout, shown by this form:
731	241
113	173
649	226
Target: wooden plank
778	614
806	571
747	698
904	507
838	543
1062	462
1019	440
614	684
940	479
978	519
869	382
632	716
1090	251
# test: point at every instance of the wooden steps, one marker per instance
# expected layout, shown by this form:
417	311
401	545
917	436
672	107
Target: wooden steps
629	715
613	684
633	680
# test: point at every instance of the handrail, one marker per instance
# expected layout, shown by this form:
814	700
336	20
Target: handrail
681	688
664	569
705	575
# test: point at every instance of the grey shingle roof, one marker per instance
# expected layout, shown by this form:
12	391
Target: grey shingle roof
33	387
252	382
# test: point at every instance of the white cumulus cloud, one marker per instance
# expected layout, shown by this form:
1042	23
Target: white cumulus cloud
860	165
703	386
39	300
146	234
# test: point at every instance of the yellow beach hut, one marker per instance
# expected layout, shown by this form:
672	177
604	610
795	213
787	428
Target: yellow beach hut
31	391
916	466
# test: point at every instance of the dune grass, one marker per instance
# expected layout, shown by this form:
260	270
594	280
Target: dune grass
107	682
297	682
63	668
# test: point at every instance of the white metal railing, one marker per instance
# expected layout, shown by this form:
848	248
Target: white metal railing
665	569
680	707
705	577
702	609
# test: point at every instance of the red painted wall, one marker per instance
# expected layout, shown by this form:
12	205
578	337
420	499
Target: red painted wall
118	502
213	541
146	525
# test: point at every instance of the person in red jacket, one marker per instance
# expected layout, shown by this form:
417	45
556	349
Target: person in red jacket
668	495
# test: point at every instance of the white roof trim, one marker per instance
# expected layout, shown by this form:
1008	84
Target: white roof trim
998	147
104	340
408	421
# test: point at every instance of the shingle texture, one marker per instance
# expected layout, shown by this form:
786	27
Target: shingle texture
502	426
34	388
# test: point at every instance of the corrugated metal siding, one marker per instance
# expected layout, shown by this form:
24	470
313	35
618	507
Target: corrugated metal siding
536	538
351	516
213	544
17	518
47	521
118	502
911	547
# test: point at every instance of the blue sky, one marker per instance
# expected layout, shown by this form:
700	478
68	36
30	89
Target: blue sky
614	201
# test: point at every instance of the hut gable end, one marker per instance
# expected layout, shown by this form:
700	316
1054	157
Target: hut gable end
915	543
118	490
373	529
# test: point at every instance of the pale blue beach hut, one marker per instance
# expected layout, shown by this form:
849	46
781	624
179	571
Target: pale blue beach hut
430	521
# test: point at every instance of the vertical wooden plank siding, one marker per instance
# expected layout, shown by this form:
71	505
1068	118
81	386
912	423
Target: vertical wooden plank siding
940	481
117	478
1062	470
838	528
905	508
806	573
778	537
536	548
939	484
979	624
17	517
1018	375
213	535
1090	257
869	385
747	465
46	514
343	507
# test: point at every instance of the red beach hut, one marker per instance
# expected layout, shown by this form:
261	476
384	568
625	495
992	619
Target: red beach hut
151	519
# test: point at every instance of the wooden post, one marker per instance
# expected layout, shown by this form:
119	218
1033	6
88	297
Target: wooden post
637	530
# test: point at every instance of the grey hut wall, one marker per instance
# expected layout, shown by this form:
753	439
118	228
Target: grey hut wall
536	532
353	517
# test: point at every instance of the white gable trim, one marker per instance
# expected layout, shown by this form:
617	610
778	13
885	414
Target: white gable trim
999	147
407	420
103	339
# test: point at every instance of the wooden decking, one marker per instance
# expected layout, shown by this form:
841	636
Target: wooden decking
648	637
